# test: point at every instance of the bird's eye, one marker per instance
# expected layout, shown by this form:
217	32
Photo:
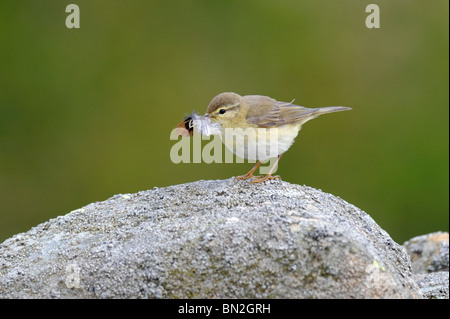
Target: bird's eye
222	111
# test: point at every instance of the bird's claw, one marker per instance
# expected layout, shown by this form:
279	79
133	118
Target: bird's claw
246	176
262	179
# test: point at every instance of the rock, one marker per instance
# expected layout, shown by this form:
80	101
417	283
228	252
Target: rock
209	239
430	262
429	253
433	285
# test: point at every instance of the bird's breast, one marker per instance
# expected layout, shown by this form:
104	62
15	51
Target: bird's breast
260	143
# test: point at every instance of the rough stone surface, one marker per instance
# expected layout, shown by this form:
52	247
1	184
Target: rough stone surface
209	239
430	262
429	253
433	285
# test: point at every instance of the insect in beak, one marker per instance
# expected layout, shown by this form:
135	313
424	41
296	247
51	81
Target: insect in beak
202	124
186	127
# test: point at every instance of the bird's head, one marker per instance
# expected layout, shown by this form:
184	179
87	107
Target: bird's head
224	108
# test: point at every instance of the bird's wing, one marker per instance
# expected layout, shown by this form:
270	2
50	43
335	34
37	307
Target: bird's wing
267	112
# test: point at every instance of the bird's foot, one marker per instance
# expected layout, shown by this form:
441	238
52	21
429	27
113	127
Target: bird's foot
246	176
262	179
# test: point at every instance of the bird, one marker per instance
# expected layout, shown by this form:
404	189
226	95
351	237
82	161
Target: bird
247	115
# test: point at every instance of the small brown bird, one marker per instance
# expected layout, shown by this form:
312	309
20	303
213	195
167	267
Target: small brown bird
261	127
251	112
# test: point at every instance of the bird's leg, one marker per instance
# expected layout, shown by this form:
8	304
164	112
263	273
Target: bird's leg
249	174
269	175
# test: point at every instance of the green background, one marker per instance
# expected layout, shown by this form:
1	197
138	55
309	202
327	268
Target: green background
86	113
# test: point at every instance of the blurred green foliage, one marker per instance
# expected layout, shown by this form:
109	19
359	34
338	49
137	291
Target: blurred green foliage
86	113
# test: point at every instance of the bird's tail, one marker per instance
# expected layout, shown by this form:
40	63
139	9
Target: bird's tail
330	109
313	113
